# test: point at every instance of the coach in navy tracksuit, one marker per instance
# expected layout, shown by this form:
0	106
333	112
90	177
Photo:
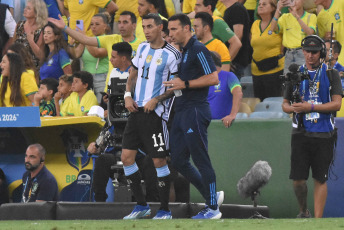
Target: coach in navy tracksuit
188	134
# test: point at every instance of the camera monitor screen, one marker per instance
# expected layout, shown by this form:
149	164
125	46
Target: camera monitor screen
118	85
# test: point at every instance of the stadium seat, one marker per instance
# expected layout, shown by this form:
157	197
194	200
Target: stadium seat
268	115
247	86
269	106
251	101
241	116
244	108
278	99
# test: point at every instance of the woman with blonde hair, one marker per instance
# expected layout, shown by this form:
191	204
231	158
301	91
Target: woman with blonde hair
29	32
267	58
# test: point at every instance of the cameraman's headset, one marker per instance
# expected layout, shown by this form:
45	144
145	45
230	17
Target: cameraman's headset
323	50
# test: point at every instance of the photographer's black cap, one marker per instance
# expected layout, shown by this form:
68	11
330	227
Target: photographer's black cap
312	43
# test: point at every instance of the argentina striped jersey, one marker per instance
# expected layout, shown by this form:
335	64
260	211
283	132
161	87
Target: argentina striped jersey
154	66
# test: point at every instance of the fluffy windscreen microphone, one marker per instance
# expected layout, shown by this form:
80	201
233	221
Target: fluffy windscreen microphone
255	178
294	68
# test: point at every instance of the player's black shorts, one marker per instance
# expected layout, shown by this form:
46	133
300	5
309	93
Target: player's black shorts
310	152
148	132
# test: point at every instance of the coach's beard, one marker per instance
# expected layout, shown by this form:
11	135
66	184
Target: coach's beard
31	167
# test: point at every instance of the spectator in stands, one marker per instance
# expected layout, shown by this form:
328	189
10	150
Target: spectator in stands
237	18
56	61
314	134
17	86
3	188
55	8
95	60
30	31
294	26
30	67
82	98
44	98
220	29
203	25
124	5
267	59
84	10
38	183
224	98
333	12
146	7
61	97
7	28
127	25
336	48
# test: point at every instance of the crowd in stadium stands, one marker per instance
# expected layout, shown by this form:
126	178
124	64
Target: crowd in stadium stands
263	38
58	54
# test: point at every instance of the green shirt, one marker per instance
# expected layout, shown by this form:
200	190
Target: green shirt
47	108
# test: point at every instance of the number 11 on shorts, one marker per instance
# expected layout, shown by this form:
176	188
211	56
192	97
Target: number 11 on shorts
155	140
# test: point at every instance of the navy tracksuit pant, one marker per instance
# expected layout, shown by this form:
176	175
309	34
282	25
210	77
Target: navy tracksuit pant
188	137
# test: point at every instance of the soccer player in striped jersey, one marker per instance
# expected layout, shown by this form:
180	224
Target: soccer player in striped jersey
149	103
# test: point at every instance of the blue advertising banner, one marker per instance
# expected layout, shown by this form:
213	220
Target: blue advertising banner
20	117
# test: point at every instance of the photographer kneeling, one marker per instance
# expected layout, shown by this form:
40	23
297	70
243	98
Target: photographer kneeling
312	94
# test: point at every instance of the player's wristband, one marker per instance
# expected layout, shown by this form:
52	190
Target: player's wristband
312	107
127	94
65	27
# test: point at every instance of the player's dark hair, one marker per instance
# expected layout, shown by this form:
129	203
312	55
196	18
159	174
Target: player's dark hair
207	19
157	19
85	77
182	18
50	83
131	14
123	49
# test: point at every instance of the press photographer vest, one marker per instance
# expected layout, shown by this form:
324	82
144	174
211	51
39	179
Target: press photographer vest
325	122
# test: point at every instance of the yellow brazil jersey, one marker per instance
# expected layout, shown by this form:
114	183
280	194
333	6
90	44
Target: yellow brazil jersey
250	4
292	31
28	86
125	5
84	10
334	14
64	106
107	41
221	8
170	8
265	44
139	30
79	108
188	6
219	47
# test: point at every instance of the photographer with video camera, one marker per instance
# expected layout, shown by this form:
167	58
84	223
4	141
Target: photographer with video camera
312	94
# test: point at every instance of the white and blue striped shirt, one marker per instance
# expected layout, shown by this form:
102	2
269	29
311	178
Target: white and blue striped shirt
154	67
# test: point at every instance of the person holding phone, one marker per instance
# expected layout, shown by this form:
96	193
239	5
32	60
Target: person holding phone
294	27
95	60
85	10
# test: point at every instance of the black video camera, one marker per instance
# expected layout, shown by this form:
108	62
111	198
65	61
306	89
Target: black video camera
293	79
